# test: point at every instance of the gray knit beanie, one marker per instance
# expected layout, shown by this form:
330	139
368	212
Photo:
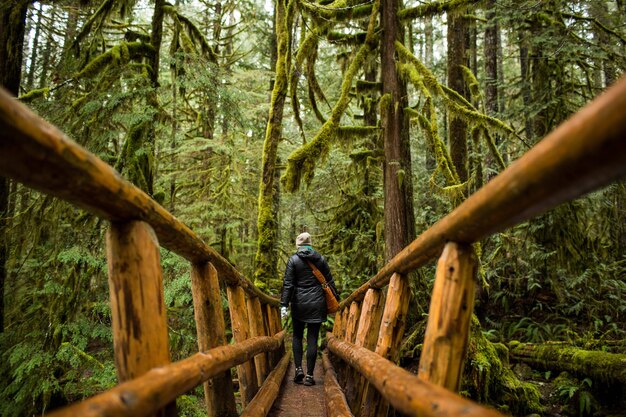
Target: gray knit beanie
303	239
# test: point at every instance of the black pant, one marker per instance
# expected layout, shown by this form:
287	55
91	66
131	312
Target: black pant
313	330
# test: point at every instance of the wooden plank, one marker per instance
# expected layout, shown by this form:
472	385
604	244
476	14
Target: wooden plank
144	395
68	171
366	336
583	154
240	323
257	328
336	404
264	399
403	390
211	332
140	335
451	306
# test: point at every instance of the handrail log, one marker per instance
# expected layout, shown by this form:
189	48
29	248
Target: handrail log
144	395
262	402
584	153
37	154
402	389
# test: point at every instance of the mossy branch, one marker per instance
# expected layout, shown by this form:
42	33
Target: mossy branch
338	10
454	102
119	54
354	39
434	8
192	32
301	163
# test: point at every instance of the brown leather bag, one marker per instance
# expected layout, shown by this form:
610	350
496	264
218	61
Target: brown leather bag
332	305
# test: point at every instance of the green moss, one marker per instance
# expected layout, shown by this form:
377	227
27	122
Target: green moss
433	8
119	54
34	94
487	378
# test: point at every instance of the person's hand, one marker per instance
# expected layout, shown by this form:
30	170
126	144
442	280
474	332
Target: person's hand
284	313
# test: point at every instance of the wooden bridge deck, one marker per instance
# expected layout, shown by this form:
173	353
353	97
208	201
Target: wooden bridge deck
298	400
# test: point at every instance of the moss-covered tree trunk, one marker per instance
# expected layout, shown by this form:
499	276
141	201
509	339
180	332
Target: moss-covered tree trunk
266	256
12	28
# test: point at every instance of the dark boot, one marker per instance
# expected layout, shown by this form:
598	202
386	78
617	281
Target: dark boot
299	376
308	381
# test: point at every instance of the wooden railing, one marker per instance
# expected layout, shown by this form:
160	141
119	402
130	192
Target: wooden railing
38	155
583	154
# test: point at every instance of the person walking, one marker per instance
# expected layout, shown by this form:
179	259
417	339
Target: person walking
304	292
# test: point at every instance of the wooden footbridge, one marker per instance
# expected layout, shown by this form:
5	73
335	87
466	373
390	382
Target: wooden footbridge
583	154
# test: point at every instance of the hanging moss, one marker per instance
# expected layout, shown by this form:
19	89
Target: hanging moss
354	39
119	54
472	84
355	132
191	35
454	102
363	86
301	163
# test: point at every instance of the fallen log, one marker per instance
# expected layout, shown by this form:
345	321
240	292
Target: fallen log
597	365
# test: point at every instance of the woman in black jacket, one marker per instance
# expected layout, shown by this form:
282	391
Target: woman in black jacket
308	305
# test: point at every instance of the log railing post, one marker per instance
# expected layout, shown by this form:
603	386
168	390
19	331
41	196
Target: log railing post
140	335
389	337
272	329
366	336
451	306
351	326
257	328
211	332
248	385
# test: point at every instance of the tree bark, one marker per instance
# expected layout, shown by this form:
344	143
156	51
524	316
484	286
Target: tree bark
266	266
457	57
12	28
398	184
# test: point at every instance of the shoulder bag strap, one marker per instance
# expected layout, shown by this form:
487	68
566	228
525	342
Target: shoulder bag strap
320	277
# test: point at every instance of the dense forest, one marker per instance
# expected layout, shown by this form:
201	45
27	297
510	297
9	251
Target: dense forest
253	121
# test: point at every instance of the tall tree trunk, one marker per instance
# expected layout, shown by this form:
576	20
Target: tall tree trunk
266	256
526	92
399	216
47	53
12	28
457	57
599	11
491	69
30	79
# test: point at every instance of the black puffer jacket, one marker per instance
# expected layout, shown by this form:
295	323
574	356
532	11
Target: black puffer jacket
303	290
